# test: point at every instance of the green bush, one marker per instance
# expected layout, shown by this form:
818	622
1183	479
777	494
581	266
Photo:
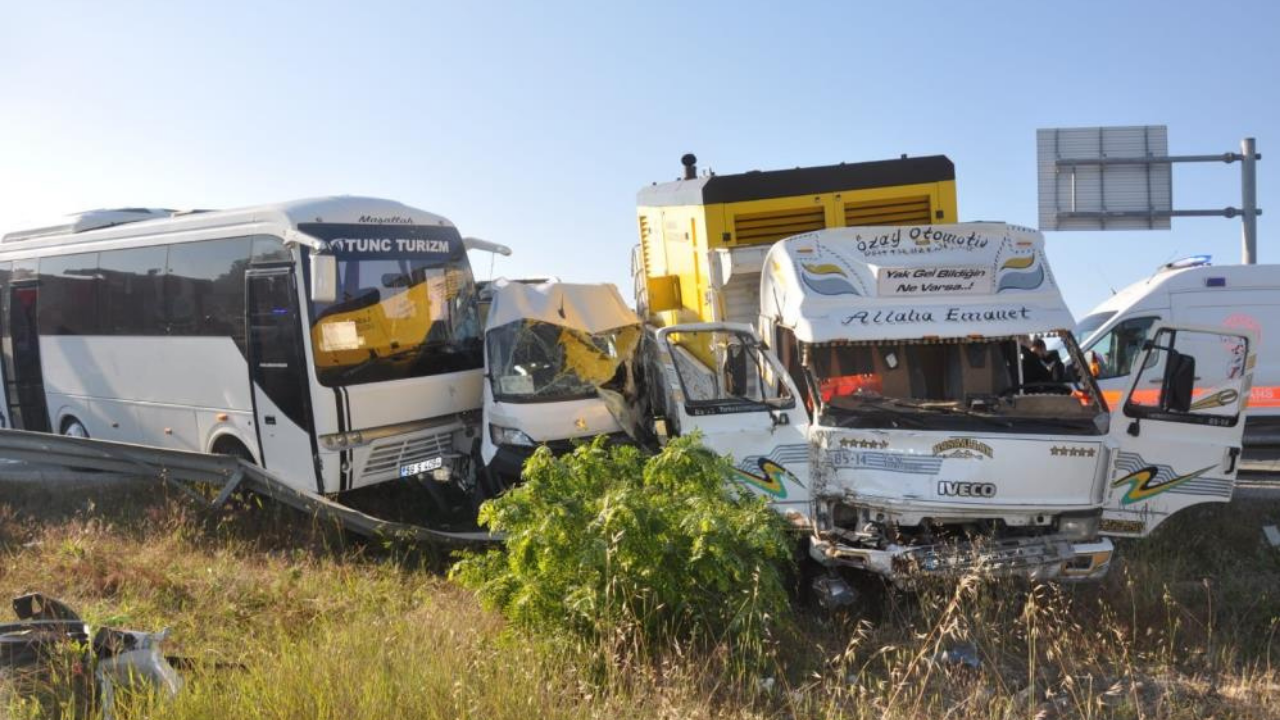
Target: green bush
607	544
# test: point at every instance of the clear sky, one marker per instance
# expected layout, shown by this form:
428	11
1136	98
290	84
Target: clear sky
534	124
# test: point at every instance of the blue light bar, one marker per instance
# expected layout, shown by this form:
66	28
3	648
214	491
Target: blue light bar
1189	262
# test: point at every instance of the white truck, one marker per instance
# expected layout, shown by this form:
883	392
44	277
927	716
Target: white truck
559	361
907	413
1193	292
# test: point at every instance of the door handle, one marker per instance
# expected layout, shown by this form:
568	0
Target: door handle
269	419
1233	454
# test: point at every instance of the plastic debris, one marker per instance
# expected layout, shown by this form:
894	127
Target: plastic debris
119	658
965	655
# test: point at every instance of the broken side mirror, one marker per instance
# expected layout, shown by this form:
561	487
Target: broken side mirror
1179	381
324	278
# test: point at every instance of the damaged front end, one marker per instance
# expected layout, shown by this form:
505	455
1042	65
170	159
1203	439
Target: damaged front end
909	505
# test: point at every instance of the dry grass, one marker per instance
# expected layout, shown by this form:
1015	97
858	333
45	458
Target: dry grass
288	620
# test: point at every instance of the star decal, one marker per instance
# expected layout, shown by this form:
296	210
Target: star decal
1058	451
864	444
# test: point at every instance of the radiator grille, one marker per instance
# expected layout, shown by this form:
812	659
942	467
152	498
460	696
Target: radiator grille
767	227
894	211
388	456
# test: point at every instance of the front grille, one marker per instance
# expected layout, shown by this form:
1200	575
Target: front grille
389	455
1011	556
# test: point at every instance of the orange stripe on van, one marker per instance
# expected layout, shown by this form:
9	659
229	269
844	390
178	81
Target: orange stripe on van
1267	396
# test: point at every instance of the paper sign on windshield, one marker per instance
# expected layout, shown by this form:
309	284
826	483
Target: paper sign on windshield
516	384
336	336
969	280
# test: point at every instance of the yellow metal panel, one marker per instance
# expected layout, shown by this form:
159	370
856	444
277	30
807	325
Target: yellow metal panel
678	291
664	293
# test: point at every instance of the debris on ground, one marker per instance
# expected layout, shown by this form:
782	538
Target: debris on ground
1272	533
117	658
963	655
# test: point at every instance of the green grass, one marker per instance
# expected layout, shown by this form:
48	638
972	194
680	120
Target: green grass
287	619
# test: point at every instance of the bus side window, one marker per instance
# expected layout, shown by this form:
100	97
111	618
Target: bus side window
204	288
132	296
69	299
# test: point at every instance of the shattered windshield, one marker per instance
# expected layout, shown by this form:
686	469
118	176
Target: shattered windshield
722	370
955	384
534	361
406	307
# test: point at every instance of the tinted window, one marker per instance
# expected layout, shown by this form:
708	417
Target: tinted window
204	288
132	295
269	249
69	295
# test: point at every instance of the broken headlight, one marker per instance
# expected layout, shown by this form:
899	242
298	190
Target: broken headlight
509	436
1078	527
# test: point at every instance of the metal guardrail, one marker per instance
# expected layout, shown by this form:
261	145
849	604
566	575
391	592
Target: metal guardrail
187	469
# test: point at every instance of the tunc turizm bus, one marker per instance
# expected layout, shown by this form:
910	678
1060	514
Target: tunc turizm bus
333	341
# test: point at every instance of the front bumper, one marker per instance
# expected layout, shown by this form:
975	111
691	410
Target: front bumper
508	460
1046	557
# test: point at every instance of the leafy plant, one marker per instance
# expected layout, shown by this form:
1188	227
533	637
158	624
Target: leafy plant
609	545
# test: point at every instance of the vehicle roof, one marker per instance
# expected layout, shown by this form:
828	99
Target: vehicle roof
333	209
913	281
758	185
1190	280
591	308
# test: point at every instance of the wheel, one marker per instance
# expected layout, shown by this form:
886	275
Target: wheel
72	427
234	448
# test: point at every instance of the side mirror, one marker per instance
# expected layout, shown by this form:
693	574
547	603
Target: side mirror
324	278
1179	380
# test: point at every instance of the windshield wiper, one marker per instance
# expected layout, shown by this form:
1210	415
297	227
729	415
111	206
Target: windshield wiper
884	406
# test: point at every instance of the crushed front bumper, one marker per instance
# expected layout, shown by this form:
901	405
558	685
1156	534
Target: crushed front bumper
1039	558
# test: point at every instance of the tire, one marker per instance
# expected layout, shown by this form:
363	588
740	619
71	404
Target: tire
72	427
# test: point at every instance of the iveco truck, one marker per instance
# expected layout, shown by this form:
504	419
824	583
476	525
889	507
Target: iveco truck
894	396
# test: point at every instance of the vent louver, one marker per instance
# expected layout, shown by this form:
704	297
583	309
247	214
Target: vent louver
894	211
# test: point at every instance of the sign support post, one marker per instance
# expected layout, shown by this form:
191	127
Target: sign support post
1119	178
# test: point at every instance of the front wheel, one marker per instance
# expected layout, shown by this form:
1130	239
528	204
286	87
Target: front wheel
72	427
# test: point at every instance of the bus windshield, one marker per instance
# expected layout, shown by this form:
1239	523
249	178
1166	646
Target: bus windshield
397	315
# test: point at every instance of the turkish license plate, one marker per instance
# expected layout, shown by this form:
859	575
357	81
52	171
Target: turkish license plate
421	467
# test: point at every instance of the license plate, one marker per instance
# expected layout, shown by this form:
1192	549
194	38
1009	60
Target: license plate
421	467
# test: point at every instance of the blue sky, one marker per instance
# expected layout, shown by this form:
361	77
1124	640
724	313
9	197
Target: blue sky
534	124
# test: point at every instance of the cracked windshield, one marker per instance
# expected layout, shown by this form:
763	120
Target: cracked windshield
532	360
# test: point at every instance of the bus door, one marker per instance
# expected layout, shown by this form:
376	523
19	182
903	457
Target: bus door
278	376
24	380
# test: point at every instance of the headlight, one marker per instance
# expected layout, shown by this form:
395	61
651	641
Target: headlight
341	441
1078	527
509	436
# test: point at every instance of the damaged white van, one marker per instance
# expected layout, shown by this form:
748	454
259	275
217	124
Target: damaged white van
940	434
559	366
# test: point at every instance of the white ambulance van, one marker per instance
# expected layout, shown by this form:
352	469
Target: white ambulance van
1192	292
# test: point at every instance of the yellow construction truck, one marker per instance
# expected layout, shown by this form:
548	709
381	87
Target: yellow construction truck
703	239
